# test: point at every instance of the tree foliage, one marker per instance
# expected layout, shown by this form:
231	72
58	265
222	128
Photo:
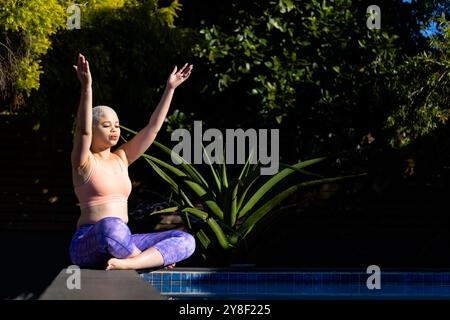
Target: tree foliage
131	45
423	85
27	27
314	66
25	31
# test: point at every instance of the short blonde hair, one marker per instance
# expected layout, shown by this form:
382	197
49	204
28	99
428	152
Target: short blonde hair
98	112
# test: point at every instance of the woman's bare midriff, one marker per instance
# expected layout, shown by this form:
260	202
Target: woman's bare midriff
94	214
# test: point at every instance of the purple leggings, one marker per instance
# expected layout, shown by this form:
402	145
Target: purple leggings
93	244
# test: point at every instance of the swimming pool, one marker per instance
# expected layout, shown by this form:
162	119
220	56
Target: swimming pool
210	284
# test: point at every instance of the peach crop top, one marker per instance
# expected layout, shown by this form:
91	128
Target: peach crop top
103	186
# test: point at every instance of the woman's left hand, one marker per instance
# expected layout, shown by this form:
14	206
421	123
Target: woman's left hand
178	77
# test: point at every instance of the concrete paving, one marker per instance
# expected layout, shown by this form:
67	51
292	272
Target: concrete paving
99	285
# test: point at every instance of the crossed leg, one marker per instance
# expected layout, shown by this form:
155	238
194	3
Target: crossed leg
111	236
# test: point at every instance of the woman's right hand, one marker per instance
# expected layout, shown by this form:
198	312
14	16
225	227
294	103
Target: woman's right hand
83	72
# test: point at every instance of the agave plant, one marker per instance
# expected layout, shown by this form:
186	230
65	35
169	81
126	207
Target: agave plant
230	207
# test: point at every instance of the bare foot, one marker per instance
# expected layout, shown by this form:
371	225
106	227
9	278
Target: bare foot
117	264
170	266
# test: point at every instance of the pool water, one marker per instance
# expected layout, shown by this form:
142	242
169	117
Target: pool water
293	285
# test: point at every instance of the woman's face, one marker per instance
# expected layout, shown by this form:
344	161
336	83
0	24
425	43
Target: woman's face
107	131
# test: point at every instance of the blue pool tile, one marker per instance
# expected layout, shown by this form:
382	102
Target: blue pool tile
165	287
205	276
428	277
252	277
261	287
395	277
234	287
303	284
444	278
215	276
261	277
417	278
317	279
307	278
176	288
348	278
176	276
156	276
233	276
185	288
251	288
328	278
287	288
157	287
222	276
148	277
283	277
271	277
196	276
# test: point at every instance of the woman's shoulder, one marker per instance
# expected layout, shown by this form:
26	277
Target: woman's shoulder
122	155
81	174
90	159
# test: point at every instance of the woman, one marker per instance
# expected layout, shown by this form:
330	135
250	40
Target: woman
102	185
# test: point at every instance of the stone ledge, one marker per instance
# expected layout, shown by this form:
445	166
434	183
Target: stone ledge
101	285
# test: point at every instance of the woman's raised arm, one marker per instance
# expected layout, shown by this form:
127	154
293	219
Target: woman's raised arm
83	131
144	138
